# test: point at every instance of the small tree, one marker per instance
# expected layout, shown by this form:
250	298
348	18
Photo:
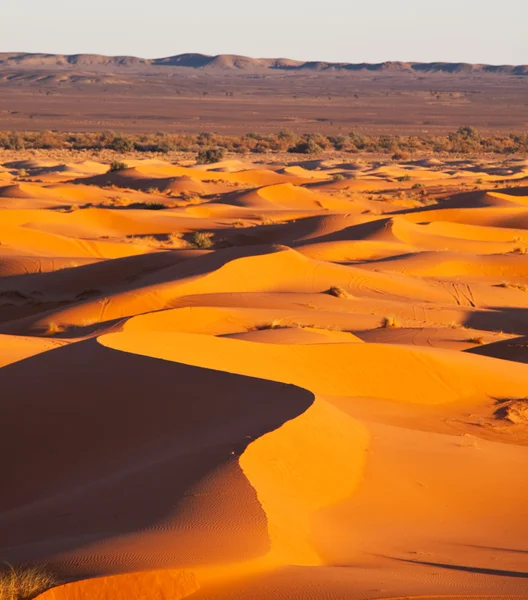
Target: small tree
209	156
307	147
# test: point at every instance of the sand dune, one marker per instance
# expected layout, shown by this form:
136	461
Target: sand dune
261	381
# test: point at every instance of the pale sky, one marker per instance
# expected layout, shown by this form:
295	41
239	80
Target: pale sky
479	31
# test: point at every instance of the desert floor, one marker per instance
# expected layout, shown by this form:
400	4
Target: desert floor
289	380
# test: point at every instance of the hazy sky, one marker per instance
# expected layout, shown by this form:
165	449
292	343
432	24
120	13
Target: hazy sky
489	31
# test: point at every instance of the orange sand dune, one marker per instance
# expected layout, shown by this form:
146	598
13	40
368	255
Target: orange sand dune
294	380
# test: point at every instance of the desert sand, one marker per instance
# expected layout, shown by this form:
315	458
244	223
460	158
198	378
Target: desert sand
268	380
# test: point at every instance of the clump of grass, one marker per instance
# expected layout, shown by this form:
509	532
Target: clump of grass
175	239
517	286
54	328
121	201
417	186
187	195
117	165
24	583
405	178
152	190
520	250
202	239
514	410
331	327
238	224
278	324
338	292
275	324
390	322
338	177
477	340
153	206
145	240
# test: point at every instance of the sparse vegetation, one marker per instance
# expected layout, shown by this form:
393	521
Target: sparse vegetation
338	177
24	583
176	240
338	292
514	410
116	165
150	206
278	324
477	340
309	146
54	328
210	147
390	322
516	286
202	239
210	155
275	324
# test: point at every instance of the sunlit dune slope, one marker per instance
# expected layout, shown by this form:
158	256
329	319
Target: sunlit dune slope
297	379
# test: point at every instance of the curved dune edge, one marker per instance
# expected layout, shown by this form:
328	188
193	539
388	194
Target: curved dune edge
292	482
270	461
399	373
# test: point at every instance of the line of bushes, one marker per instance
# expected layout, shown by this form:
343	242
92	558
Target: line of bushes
466	140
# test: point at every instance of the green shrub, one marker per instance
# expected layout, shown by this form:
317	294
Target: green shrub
117	166
306	147
209	156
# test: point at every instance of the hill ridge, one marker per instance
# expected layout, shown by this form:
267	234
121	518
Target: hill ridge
245	63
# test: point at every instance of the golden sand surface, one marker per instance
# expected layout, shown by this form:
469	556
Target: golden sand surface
291	380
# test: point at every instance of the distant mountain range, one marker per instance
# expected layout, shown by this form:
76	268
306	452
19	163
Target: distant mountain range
229	62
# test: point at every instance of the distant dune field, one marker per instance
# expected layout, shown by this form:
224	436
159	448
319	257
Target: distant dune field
236	94
279	379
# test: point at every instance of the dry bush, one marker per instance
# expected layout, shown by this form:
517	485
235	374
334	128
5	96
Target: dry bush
24	583
211	147
477	340
275	324
515	286
202	239
175	240
514	410
117	166
210	156
390	322
54	328
338	292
